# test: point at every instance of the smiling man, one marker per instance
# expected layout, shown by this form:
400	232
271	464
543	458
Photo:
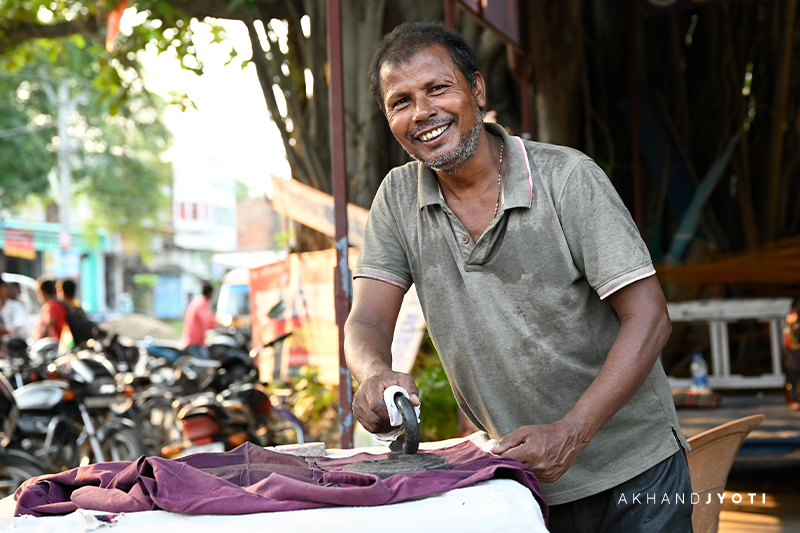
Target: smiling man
537	289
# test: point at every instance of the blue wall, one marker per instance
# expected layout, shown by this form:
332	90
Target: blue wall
168	296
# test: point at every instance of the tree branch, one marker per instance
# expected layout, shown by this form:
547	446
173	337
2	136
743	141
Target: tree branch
260	62
86	24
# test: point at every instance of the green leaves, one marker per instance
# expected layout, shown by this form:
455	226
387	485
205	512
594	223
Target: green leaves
117	169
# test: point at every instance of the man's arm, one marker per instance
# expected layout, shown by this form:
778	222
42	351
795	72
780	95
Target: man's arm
549	450
368	349
207	317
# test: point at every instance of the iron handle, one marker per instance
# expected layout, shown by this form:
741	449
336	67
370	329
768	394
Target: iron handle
404	405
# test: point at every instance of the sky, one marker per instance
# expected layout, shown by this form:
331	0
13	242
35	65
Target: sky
231	123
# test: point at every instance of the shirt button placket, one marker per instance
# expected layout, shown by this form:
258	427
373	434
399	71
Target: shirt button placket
464	239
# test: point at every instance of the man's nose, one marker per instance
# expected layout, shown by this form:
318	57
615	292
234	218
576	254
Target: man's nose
423	109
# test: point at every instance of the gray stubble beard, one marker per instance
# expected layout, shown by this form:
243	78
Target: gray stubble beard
457	158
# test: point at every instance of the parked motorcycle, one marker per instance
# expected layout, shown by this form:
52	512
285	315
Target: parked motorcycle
16	466
72	418
232	407
17	366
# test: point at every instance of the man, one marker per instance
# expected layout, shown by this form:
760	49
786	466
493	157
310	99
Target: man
196	322
3	295
66	290
15	318
53	315
538	292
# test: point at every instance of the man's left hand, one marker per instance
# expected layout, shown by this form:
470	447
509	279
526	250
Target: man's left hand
548	450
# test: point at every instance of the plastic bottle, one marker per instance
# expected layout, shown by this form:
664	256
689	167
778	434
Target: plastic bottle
699	370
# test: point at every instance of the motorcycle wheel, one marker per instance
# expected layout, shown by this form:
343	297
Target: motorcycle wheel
12	476
124	444
158	423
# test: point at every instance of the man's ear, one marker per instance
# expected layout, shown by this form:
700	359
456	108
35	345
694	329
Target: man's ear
479	89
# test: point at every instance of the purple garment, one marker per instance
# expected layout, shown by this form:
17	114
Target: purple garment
250	479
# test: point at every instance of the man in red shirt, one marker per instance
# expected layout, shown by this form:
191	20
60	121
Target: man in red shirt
53	315
196	322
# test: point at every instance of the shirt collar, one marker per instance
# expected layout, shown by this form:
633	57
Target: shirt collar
518	186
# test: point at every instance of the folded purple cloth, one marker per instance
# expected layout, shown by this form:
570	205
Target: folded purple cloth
250	479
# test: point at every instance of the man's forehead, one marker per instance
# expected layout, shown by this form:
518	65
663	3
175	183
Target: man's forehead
431	53
397	71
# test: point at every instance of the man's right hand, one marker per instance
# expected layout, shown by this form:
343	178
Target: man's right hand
368	404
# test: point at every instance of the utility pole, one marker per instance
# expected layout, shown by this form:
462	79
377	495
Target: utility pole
67	148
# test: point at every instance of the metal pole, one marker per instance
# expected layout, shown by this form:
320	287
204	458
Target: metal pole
342	279
450	13
65	153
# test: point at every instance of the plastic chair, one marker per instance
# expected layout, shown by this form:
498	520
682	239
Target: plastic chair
710	461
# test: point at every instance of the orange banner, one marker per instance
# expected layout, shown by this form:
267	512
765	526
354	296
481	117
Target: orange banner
295	296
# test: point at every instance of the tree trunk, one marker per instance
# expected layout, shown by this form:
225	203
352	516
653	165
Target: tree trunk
556	45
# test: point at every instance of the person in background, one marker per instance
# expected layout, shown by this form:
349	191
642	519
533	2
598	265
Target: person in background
196	322
53	315
66	289
3	295
791	356
13	314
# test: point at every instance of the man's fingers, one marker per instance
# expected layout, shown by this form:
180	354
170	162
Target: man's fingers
372	421
512	440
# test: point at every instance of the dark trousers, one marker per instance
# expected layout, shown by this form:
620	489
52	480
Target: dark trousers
644	504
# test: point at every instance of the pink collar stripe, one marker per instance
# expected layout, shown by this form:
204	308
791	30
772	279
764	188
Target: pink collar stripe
528	167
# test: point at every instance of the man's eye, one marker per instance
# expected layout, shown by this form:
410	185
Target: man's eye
438	88
400	102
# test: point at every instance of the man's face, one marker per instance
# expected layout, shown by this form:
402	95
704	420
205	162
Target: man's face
3	290
431	110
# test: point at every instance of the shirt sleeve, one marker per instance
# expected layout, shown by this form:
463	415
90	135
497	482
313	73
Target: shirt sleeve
206	316
604	241
383	255
17	318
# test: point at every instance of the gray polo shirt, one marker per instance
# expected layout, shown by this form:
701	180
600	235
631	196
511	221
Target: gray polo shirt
518	318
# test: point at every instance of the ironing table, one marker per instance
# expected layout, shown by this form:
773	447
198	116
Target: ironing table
496	504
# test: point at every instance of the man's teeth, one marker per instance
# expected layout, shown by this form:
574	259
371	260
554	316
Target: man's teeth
433	134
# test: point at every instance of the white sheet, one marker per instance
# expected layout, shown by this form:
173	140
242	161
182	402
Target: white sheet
497	504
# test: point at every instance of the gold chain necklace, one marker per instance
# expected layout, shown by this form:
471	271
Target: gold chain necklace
499	179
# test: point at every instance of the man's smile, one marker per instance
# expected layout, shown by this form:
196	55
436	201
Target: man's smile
432	129
433	133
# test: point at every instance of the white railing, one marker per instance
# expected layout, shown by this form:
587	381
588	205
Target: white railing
718	314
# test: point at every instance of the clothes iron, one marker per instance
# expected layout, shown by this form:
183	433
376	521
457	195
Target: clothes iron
403	457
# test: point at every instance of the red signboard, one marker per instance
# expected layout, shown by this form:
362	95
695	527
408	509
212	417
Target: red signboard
19	243
295	296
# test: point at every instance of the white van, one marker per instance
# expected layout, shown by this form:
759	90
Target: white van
233	302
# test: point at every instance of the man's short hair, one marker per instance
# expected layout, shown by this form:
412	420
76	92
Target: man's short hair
208	290
47	286
68	287
408	38
13	285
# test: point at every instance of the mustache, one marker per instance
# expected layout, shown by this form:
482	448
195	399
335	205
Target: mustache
431	123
